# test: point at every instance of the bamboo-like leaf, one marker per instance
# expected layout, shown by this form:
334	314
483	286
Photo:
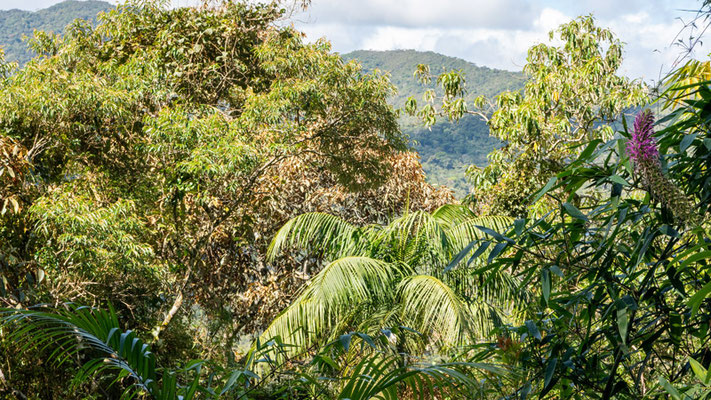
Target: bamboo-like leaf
466	232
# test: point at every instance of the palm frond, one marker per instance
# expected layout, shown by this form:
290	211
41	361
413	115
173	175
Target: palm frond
494	287
381	377
68	332
433	308
317	232
450	215
415	236
339	288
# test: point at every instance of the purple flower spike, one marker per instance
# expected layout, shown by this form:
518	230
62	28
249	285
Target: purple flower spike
642	147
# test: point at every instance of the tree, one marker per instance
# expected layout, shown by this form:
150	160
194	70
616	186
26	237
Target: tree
143	161
391	276
572	94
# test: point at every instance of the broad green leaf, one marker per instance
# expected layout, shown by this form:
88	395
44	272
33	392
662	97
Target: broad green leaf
533	329
696	300
623	320
574	212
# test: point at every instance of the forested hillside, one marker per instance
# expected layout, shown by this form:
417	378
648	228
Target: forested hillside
447	148
16	24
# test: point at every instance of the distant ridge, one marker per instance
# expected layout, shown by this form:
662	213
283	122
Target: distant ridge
401	65
15	24
448	148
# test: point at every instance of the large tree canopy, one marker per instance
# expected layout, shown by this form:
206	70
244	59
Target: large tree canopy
144	160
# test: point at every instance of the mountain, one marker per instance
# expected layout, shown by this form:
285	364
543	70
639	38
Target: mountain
15	24
448	148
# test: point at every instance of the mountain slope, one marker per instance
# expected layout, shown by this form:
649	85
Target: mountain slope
447	148
15	24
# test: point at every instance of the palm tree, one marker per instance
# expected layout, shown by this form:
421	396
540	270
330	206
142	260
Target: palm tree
395	275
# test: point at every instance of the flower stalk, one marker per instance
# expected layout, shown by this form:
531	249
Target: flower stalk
643	151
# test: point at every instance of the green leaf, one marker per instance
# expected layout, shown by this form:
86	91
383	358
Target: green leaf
494	234
459	257
496	250
696	300
589	149
619	179
701	374
533	329
345	341
546	283
669	388
550	370
686	142
479	251
574	212
623	320
675	327
519	224
545	189
694	258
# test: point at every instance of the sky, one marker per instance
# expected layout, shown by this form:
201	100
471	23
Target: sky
492	33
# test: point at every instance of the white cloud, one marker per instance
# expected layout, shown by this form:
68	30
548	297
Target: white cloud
647	27
494	33
425	13
494	47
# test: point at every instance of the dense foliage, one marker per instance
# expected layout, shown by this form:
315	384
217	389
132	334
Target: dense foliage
147	162
201	175
573	96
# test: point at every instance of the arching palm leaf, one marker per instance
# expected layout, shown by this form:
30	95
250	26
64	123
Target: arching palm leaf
382	378
413	237
317	232
81	329
431	307
450	215
334	292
